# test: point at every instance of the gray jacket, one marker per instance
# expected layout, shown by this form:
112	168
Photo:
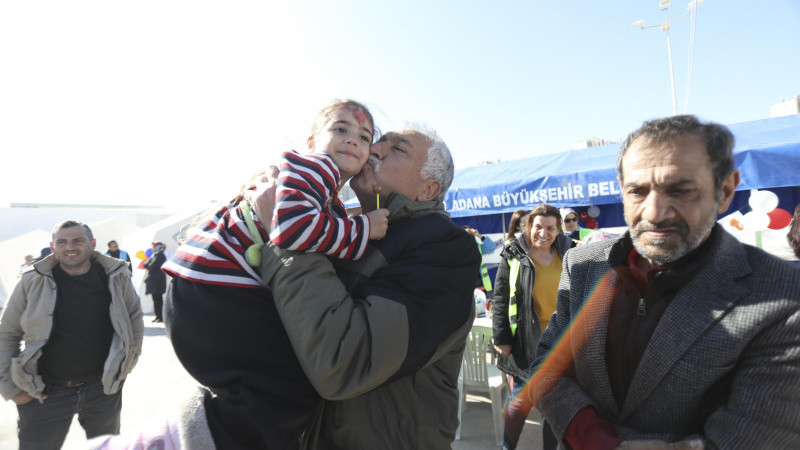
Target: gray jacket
739	317
28	318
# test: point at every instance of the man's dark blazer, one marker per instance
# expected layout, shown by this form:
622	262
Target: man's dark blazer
736	324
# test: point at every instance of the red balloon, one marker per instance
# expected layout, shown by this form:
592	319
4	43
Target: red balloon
583	215
779	219
591	222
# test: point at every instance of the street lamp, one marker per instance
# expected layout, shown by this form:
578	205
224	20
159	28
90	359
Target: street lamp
664	5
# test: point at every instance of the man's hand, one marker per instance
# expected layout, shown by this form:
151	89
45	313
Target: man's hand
23	397
378	223
263	196
473	232
691	444
504	349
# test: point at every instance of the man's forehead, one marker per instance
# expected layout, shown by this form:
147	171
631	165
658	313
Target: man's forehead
683	147
646	143
75	232
678	159
409	138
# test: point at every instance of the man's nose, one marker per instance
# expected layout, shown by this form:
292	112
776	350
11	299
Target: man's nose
378	149
656	207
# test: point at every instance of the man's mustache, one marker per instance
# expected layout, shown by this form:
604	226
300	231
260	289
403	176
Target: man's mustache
375	162
644	225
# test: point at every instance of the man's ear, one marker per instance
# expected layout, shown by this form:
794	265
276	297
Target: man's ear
429	190
729	185
310	142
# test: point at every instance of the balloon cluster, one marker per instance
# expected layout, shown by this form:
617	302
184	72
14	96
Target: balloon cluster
144	255
589	216
765	213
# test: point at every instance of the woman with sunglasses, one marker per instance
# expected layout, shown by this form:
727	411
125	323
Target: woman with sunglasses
571	227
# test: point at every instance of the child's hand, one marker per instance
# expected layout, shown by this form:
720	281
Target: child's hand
378	223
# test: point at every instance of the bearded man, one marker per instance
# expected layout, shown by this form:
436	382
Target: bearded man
675	335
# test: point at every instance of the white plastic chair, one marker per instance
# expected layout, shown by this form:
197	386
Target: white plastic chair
477	375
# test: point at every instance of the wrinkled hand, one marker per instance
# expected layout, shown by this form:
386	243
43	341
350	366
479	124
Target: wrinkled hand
263	196
692	444
23	398
378	223
503	349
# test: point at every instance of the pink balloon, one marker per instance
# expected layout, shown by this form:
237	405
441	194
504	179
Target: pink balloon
779	219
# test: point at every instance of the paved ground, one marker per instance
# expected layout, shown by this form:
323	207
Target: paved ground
159	381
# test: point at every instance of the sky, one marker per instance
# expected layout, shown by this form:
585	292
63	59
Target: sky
177	103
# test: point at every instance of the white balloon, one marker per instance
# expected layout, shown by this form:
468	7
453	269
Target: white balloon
593	211
763	201
755	221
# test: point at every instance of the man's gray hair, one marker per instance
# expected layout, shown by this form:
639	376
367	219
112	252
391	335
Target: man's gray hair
439	165
718	139
70	224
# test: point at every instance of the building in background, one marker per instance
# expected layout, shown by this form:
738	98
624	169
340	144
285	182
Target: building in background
786	107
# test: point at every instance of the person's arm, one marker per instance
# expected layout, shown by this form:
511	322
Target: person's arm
392	325
11	334
301	222
133	305
162	258
763	408
503	339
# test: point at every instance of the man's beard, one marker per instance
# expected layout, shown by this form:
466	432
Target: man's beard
657	251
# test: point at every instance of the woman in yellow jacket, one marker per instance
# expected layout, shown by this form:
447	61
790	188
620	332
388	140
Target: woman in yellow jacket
526	291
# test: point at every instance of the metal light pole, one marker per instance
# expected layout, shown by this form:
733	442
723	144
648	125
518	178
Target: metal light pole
664	5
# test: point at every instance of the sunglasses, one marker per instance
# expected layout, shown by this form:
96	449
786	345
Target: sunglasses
574	219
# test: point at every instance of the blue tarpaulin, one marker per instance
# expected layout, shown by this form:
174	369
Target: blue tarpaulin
767	153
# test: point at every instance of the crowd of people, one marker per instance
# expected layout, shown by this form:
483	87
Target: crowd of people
308	328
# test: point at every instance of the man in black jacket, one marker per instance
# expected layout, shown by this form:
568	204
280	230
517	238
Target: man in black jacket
384	346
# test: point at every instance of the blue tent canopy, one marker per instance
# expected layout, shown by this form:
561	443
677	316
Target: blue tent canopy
767	153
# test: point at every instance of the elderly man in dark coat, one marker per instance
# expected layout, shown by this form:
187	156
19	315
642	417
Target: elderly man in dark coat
675	335
155	281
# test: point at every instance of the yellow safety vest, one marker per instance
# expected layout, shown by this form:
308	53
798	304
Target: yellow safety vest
513	273
487	282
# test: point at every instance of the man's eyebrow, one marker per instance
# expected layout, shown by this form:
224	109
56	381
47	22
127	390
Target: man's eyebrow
399	139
